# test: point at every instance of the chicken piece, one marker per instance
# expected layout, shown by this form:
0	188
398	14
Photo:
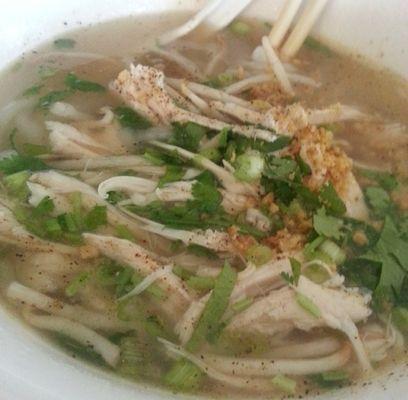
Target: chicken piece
281	312
143	89
86	138
127	253
329	163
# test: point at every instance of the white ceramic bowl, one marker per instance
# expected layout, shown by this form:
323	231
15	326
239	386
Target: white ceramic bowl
30	368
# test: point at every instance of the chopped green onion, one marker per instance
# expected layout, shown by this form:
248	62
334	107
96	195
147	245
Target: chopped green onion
336	254
64	43
132	362
182	273
249	166
201	283
52	227
32	149
242	305
212	154
209	322
77	283
96	217
44	207
240	28
284	384
67	223
183	375
16	183
74	83
258	254
311	248
308	305
333	376
316	273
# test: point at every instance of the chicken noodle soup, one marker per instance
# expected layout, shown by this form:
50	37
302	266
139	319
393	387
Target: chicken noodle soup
203	216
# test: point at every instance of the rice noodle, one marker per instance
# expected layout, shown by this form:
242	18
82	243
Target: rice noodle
149	280
277	66
190	25
206	91
311	349
268	367
182	61
216	58
109	351
335	113
178	98
283	22
26	295
306	21
247	83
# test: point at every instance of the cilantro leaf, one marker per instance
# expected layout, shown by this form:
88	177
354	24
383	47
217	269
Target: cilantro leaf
17	163
52	97
188	136
327	225
75	83
378	200
385	179
331	200
207	198
280	167
33	90
129	118
173	173
391	252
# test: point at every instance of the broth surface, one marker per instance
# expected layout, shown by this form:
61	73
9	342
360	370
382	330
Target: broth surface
99	282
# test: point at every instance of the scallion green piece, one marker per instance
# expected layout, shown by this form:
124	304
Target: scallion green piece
77	283
240	28
201	283
249	166
308	305
284	384
75	83
331	249
259	254
183	375
242	305
216	305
